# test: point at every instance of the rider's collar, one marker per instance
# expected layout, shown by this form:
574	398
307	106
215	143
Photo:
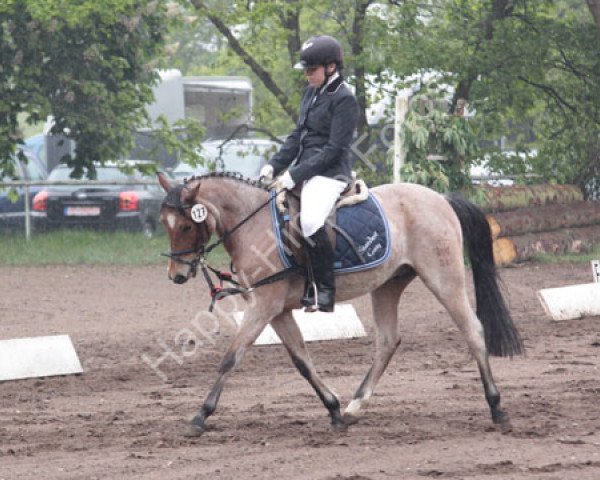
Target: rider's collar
333	82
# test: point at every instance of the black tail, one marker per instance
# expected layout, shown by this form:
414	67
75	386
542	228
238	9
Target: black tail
501	336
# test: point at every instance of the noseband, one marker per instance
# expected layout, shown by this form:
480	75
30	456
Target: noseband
193	264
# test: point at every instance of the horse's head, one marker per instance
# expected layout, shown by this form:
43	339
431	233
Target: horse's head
189	222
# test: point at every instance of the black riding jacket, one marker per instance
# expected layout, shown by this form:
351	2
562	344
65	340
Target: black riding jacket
320	143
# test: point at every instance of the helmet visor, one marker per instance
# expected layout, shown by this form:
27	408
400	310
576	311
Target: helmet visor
303	64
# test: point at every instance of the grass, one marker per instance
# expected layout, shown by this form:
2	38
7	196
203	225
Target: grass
88	247
569	257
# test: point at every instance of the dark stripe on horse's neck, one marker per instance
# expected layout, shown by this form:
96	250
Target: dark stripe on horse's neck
228	175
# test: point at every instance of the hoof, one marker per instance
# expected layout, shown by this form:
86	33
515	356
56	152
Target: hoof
504	427
340	426
502	422
499	417
350	419
193	431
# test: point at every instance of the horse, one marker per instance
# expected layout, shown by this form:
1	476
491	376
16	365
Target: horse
427	230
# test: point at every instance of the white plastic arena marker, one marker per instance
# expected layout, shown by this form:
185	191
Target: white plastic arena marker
596	270
38	357
575	301
342	323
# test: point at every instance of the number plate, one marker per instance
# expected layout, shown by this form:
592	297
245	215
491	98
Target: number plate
596	270
82	211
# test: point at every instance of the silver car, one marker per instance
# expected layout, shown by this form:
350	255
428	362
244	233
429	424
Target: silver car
245	156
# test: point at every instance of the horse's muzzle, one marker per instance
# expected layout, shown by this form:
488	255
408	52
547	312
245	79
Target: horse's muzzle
179	279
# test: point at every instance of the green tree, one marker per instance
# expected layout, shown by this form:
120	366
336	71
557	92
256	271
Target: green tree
384	42
519	63
438	144
520	69
569	124
89	64
267	36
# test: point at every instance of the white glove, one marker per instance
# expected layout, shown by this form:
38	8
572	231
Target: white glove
283	182
266	173
281	185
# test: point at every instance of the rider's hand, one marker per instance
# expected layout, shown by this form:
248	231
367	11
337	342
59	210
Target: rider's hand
283	182
266	174
280	185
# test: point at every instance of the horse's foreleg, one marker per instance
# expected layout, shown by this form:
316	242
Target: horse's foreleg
286	327
385	315
248	331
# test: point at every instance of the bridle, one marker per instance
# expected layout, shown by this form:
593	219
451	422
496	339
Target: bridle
173	200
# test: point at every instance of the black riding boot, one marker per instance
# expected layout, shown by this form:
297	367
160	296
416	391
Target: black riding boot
308	297
320	254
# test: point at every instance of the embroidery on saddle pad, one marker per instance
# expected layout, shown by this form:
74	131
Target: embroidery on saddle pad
364	224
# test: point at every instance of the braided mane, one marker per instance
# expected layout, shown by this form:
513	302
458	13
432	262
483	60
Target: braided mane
238	177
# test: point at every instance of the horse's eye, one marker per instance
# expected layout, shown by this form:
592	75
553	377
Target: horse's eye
186	228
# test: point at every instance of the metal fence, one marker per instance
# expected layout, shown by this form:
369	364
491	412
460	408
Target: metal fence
26	185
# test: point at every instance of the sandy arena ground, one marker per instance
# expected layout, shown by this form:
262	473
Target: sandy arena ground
428	419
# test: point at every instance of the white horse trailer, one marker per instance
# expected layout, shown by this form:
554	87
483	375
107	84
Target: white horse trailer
220	104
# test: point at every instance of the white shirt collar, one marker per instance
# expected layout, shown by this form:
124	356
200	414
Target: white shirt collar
332	79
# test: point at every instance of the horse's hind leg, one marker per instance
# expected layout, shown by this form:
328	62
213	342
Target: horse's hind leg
385	315
448	285
286	327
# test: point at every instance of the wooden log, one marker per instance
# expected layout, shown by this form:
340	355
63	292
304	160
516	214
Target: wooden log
522	247
544	219
505	251
500	199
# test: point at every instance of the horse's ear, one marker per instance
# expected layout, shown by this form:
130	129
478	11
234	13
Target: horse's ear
164	181
188	195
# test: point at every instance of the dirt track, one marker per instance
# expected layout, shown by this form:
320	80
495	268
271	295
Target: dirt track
428	418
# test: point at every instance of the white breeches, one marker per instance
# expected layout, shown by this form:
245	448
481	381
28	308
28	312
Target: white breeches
317	199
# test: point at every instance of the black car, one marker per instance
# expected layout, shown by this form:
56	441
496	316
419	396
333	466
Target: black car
109	207
12	210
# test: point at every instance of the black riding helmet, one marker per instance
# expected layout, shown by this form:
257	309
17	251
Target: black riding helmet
320	50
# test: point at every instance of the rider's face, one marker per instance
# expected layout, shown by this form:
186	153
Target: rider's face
316	75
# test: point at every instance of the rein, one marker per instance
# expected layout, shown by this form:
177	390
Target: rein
240	224
219	292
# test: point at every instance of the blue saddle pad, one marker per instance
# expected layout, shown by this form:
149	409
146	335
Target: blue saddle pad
364	223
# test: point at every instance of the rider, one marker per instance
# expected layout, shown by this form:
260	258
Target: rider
317	157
